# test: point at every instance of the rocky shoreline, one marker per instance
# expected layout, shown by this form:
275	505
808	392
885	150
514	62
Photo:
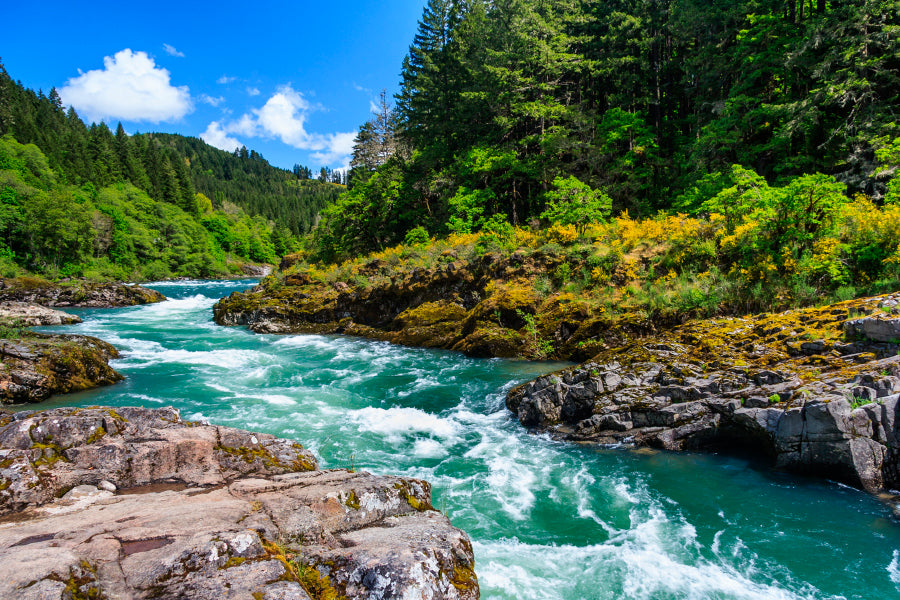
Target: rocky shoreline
34	366
81	293
485	307
814	391
809	390
132	502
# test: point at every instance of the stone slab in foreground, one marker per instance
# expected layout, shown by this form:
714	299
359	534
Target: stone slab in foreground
136	503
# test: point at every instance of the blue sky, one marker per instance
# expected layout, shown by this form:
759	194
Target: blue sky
291	80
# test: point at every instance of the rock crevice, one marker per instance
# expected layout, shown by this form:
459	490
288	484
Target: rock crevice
138	503
825	406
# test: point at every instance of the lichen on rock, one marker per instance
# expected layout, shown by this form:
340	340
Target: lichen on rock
801	388
160	507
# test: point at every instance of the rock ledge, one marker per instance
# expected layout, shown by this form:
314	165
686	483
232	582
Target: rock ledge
137	503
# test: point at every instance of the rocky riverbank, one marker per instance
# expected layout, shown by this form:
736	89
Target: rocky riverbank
84	293
487	306
131	502
34	366
32	315
811	390
814	391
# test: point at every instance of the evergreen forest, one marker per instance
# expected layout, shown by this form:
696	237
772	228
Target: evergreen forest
680	154
654	103
79	200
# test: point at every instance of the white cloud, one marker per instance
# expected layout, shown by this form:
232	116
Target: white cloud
218	137
225	79
283	116
253	91
171	51
130	87
340	147
212	101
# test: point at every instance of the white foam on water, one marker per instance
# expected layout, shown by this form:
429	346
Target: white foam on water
199	282
277	399
170	308
150	398
154	354
317	342
893	569
422	382
635	567
218	387
429	449
395	423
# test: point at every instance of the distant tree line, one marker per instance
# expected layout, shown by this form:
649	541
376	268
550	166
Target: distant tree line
170	168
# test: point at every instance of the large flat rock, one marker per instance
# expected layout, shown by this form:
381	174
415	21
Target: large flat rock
156	507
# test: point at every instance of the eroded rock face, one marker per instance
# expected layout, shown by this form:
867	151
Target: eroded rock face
32	315
155	507
80	293
808	427
815	390
35	366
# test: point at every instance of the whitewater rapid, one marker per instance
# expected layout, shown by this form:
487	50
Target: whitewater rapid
548	520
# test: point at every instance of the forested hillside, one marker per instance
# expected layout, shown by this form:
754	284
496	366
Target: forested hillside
168	167
650	103
78	200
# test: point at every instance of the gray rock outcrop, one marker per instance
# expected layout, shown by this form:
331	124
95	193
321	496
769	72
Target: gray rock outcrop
76	293
136	503
845	430
811	390
32	315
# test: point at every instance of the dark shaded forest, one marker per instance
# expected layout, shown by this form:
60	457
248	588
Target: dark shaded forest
652	102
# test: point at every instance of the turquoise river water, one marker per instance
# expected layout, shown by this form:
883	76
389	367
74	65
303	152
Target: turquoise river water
547	519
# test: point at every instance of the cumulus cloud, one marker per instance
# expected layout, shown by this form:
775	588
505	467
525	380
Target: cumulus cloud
225	79
218	137
253	91
171	51
129	87
283	116
339	148
207	99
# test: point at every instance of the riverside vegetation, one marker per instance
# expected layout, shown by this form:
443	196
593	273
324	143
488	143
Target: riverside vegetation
748	177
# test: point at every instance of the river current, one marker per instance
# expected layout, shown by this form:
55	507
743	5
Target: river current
548	520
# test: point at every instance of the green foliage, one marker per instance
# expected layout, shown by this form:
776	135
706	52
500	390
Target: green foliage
652	102
114	232
56	144
572	202
416	236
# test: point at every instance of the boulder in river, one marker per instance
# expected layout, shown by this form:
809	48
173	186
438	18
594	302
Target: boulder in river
137	503
76	293
34	366
33	315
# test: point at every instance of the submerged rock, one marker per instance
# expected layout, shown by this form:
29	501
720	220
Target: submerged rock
137	503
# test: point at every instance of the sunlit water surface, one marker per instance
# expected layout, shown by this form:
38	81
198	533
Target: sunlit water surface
547	519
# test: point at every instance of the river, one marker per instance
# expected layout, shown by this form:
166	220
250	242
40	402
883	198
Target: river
548	520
